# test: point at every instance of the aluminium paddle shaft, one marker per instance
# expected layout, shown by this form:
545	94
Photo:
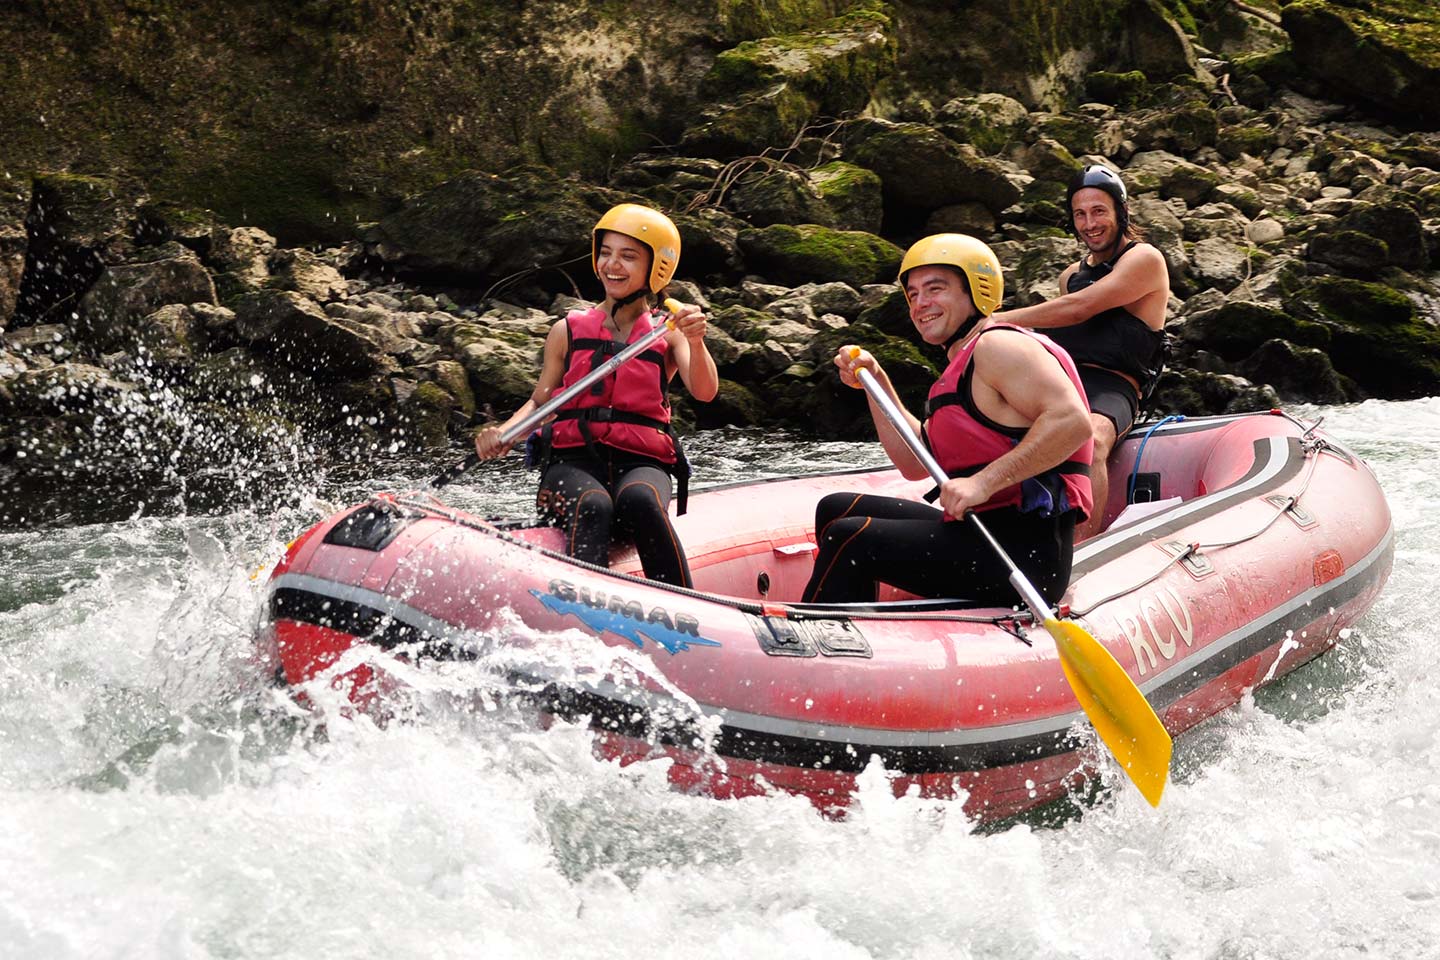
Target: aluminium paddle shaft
565	396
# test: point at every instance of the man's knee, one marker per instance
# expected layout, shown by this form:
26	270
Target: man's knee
1102	431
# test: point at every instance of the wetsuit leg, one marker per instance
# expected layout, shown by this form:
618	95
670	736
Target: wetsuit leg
573	498
867	539
642	509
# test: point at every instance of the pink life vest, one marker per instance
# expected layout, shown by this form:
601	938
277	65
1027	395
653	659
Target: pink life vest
964	440
627	410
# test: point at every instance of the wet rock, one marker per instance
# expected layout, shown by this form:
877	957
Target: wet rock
76	226
1237	328
14	202
306	274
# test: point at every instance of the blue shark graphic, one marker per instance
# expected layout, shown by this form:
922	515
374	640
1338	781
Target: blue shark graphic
628	620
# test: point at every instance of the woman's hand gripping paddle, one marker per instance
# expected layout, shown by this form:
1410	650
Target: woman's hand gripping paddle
1118	710
564	396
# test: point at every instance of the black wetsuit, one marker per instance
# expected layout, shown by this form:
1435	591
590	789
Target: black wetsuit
588	497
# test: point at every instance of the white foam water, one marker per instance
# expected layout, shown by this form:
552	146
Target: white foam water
160	799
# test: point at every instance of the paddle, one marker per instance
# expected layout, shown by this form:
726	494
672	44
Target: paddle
1116	707
564	396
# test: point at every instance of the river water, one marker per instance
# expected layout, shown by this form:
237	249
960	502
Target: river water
158	799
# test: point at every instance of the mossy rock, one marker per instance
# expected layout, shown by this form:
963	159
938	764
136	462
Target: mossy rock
991	122
920	168
1377	337
1384	53
753	19
810	253
778	195
1203	393
753	124
852	193
1075	133
1239	327
1256	139
734	405
1349	251
1124	90
837	63
1397	225
1183	129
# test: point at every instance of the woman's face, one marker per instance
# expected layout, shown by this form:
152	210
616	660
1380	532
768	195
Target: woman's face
623	264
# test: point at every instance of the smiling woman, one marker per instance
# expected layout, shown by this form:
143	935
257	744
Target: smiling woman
609	454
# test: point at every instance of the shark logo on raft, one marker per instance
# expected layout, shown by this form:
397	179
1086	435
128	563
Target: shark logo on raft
624	618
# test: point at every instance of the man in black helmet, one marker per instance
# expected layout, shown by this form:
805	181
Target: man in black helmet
1109	316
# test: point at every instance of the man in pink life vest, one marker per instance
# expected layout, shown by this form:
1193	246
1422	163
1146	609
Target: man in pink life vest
1007	422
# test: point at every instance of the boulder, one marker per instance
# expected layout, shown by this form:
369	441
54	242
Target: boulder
1378	338
922	169
111	310
852	194
76	227
1157	171
813	254
1297	374
297	332
1361	57
767	90
991	122
777	195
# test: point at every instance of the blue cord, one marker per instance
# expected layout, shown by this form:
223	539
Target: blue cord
1135	471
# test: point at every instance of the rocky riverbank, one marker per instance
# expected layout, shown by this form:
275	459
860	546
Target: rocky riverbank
155	351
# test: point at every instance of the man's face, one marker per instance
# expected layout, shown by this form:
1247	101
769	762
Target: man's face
939	303
1092	210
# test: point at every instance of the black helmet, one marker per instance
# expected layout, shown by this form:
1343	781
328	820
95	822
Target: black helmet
1101	178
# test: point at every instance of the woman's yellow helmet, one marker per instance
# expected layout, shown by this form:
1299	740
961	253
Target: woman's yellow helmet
972	257
650	227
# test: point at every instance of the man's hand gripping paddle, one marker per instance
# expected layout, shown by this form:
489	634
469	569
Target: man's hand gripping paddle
1118	710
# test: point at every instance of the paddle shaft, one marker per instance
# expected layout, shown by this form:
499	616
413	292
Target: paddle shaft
565	396
892	412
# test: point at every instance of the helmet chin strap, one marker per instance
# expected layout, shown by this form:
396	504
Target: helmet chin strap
962	332
630	298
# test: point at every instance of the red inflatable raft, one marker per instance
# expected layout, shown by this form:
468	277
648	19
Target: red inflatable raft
1264	540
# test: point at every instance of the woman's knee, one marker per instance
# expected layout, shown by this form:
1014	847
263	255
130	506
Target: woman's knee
640	500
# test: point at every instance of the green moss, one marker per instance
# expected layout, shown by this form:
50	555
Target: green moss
1121	89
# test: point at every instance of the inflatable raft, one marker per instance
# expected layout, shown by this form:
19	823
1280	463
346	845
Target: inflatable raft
1237	549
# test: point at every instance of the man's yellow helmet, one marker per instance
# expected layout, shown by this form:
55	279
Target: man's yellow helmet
972	257
650	227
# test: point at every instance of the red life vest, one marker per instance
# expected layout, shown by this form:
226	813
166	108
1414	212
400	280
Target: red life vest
964	440
629	409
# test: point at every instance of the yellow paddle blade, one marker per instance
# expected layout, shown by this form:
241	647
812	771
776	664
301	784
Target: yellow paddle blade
1116	707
